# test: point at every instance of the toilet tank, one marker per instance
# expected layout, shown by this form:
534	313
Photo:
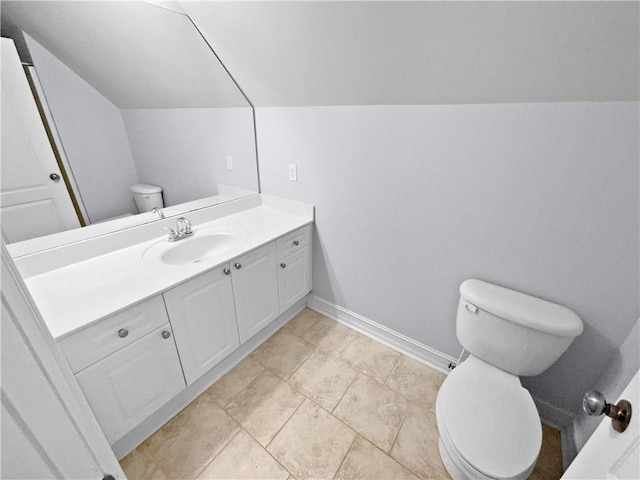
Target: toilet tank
147	197
515	332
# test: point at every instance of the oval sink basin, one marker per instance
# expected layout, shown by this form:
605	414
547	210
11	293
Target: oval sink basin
204	244
197	249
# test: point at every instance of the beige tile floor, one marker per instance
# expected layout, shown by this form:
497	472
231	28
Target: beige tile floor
316	400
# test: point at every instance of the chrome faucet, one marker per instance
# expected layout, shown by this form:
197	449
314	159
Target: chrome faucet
183	230
158	211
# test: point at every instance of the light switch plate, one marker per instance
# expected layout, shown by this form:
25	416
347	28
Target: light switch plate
229	162
293	172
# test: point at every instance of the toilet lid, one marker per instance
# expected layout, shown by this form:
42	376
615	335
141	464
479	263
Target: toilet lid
490	419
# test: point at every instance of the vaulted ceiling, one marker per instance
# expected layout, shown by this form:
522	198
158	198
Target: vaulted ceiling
426	52
300	53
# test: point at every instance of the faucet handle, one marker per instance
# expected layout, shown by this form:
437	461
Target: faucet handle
173	234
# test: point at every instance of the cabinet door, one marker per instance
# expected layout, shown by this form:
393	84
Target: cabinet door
294	277
203	318
255	287
126	387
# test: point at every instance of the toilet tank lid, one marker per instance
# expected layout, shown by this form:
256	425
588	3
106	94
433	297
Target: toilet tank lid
523	309
145	188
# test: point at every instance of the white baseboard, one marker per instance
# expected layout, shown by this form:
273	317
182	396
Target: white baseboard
405	345
563	421
558	418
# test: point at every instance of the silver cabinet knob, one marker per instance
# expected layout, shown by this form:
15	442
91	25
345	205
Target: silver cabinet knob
227	271
594	403
238	266
123	332
283	265
55	177
296	243
166	334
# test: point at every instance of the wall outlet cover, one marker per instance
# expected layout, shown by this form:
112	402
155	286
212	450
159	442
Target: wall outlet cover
293	172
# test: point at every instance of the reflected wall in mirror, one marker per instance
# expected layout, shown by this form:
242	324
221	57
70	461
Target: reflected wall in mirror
134	95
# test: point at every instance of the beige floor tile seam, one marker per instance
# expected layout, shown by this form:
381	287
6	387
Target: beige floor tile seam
315	349
265	448
325	352
341	360
342	397
219	452
276	434
285	423
395	365
345	423
345	455
395	438
388	455
394	444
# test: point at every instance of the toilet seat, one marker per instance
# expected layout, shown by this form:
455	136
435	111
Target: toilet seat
488	423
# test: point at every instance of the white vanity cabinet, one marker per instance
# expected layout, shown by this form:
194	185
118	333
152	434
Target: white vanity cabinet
255	289
203	317
133	366
294	267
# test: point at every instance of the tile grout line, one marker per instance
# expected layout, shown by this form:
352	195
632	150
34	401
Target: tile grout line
342	397
345	455
404	416
265	448
198	472
286	421
395	365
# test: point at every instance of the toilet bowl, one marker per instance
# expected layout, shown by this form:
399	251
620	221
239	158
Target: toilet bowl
488	423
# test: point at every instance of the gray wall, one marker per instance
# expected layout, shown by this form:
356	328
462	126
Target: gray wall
93	136
184	149
411	201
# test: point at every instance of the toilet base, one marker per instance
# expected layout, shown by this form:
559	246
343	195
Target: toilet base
453	469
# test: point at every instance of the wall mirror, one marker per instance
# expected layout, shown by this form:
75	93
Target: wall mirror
133	95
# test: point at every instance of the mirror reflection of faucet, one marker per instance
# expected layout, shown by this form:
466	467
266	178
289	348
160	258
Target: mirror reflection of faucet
157	211
183	230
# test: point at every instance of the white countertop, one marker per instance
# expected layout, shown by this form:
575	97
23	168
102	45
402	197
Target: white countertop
79	294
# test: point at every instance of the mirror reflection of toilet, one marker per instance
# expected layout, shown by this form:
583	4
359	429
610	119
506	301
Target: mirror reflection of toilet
488	423
147	197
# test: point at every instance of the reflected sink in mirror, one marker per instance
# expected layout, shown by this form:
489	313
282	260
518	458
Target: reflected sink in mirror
203	245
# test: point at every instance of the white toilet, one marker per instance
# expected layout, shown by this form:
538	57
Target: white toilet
489	426
147	197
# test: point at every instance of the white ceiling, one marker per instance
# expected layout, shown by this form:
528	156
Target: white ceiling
351	53
343	53
136	54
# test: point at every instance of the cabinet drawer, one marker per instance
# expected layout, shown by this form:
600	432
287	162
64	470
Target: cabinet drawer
101	339
125	388
293	242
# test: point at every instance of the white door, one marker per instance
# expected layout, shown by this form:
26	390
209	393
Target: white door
48	430
255	287
32	203
203	318
609	454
